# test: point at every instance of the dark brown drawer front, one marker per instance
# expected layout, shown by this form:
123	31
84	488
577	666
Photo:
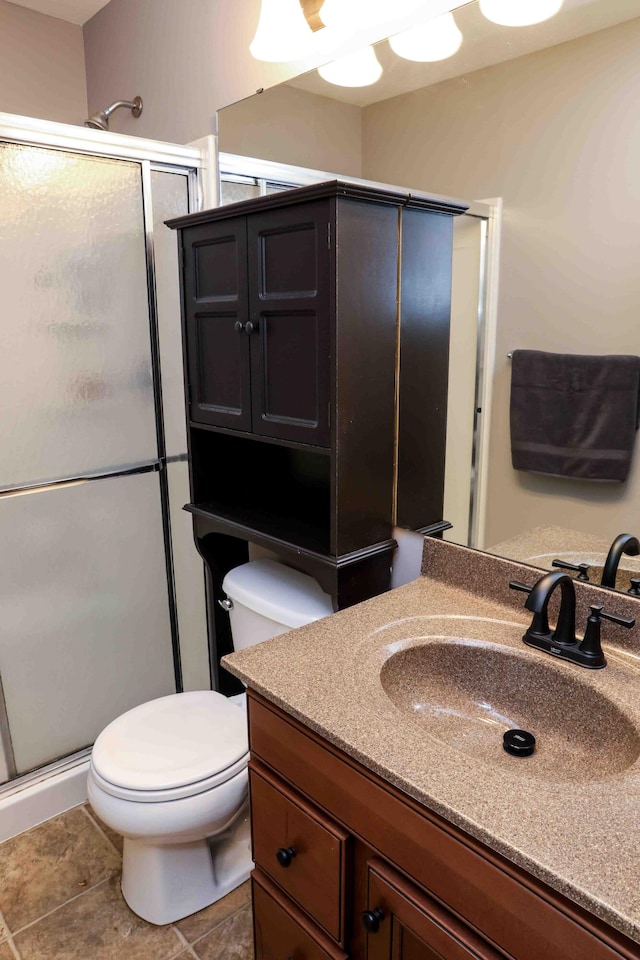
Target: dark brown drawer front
409	925
300	849
281	931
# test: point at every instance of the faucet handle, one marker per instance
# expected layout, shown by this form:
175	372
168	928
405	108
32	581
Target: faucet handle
634	589
582	568
622	621
518	585
590	648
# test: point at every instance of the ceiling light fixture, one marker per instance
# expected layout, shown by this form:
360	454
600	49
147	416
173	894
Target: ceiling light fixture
359	69
283	33
427	42
420	30
351	15
519	13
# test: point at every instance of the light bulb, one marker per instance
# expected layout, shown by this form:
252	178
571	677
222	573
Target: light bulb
283	33
359	69
436	39
519	13
352	15
343	15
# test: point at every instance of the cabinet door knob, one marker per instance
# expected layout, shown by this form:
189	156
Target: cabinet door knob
284	856
371	919
238	326
251	326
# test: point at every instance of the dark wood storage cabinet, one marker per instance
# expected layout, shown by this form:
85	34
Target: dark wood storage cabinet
257	315
370	874
316	344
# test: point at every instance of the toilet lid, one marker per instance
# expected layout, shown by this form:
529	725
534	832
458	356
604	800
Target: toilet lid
172	741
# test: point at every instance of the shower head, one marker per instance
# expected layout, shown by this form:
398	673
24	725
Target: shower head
100	120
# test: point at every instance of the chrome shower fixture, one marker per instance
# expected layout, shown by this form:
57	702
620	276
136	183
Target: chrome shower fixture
100	120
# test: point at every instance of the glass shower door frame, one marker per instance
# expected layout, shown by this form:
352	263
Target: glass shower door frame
150	156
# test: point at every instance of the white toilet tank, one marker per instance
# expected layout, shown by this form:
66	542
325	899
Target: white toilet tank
269	599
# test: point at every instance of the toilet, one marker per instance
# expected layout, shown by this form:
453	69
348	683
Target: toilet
170	775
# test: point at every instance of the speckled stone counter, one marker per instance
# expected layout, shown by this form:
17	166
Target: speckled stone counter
570	814
540	545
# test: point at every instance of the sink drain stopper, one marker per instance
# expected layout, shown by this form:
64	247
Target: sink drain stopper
519	743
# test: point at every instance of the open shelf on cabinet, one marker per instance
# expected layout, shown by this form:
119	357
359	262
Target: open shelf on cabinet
256	525
270	490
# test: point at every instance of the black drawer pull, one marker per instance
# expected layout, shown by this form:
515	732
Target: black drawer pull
284	856
251	326
238	326
371	919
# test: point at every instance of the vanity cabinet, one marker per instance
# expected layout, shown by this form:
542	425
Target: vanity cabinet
373	875
316	344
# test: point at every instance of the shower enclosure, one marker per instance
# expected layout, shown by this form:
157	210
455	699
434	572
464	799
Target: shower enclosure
101	590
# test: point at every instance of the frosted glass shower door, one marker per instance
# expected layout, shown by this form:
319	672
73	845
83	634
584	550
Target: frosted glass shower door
85	622
86	627
76	385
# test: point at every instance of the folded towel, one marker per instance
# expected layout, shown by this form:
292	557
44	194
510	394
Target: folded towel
574	416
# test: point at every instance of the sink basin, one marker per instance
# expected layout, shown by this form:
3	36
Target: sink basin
468	692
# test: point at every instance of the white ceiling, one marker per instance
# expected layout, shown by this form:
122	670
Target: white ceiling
75	11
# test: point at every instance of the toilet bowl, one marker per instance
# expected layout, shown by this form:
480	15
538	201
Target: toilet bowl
171	776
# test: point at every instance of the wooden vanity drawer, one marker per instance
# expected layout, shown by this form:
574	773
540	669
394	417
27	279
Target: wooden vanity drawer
300	848
282	931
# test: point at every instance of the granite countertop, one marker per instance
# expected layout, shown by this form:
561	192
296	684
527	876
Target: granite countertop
569	813
540	545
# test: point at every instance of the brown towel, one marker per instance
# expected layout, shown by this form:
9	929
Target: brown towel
572	415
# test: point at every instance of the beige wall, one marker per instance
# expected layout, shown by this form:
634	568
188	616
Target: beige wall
185	58
41	66
292	126
557	135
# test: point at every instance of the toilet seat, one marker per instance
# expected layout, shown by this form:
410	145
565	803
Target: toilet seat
175	793
172	747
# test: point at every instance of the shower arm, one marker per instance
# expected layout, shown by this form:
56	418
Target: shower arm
134	105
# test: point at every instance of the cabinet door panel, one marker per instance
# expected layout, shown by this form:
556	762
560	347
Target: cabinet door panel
287	353
290	312
221	361
411	947
216	308
219	264
412	926
289	255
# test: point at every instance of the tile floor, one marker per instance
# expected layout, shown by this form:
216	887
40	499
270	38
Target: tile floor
60	900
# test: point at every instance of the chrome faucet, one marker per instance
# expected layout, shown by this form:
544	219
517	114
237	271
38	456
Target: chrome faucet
562	642
623	543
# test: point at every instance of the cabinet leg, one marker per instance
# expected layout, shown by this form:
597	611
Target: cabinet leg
363	579
220	554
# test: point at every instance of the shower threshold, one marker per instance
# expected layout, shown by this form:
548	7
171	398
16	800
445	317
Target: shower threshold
44	793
